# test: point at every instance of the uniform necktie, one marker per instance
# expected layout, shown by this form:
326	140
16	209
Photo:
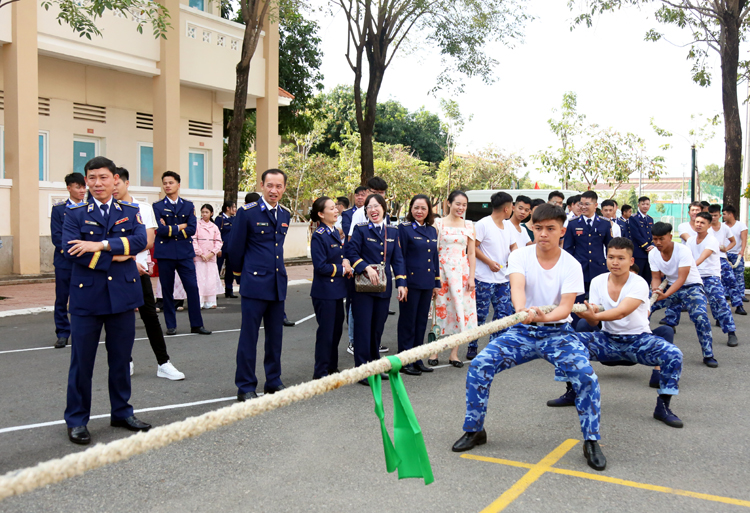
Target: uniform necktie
588	222
273	213
104	208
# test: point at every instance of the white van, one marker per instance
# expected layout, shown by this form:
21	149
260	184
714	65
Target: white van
480	204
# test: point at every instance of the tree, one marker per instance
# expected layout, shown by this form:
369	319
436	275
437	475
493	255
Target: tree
460	29
564	161
718	25
712	174
453	126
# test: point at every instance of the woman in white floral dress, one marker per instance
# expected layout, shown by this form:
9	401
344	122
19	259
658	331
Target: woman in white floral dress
455	306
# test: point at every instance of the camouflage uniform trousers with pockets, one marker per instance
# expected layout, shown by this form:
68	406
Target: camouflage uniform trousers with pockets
729	282
739	274
694	298
497	295
718	303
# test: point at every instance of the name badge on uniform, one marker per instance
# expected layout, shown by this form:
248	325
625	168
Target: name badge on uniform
371	240
94	223
579	231
261	224
391	240
417	238
119	221
285	225
334	245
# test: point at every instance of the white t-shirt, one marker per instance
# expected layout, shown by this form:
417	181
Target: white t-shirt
637	288
149	221
712	265
737	230
358	217
521	238
722	235
681	257
616	231
545	287
685	228
495	243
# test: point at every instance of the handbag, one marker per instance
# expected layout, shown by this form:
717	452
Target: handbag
363	284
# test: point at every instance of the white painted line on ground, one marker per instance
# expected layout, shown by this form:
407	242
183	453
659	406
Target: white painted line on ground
27	311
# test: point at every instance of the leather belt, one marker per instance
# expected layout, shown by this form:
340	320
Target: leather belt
547	323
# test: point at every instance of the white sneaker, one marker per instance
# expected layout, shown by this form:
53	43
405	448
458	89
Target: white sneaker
132	367
350	349
169	371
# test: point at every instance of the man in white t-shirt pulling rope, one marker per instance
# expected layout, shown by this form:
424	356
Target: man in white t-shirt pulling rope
675	263
626	333
736	255
540	274
495	241
727	242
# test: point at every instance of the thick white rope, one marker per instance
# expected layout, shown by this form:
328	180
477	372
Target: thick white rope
736	262
53	471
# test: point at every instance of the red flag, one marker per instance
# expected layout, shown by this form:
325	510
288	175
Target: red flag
536	185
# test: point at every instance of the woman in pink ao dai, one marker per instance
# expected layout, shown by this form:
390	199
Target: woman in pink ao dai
207	244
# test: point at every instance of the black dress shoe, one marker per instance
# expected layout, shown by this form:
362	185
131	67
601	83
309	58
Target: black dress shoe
594	455
200	330
246	396
230	295
131	424
171	331
470	440
421	366
364	382
288	323
411	370
61	342
79	435
740	310
273	390
384	376
391	312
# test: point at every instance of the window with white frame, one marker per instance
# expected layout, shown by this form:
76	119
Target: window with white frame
43	155
198	162
146	164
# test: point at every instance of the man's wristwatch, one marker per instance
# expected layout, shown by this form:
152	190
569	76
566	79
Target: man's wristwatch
105	243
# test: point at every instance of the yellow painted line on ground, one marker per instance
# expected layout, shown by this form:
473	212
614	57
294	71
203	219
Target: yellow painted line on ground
605	479
534	473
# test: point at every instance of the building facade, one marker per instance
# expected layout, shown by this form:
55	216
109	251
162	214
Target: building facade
148	104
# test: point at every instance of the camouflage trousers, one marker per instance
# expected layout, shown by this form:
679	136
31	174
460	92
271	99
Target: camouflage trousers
694	298
729	282
718	303
497	295
739	275
520	344
645	349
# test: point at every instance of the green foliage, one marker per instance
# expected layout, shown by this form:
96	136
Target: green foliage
82	16
712	174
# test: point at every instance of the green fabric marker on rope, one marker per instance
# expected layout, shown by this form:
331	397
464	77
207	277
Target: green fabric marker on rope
408	454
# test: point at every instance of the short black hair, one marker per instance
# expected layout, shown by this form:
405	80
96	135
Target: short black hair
454	194
608	203
536	202
625	208
548	211
174	175
614	201
705	215
318	206
227	205
621	243
359	189
714	208
590	195
705	204
522	199
555	194
731	209
343	200
380	201
124	174
76	178
430	219
661	229
251	197
696	204
100	163
573	199
635	269
377	184
643	198
499	199
209	207
273	171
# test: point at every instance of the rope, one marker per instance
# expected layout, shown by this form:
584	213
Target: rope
53	471
737	262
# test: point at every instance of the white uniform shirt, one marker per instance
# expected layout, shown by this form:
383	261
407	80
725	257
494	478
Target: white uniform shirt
495	243
681	257
737	230
722	235
637	288
710	266
522	237
545	287
149	221
685	228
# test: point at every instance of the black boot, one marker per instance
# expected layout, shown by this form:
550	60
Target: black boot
567	399
594	455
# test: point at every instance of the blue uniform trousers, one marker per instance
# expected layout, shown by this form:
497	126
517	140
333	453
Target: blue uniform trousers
369	313
665	332
521	344
718	303
694	298
253	312
645	348
729	282
497	295
228	274
412	319
62	292
739	274
644	268
119	337
186	270
330	316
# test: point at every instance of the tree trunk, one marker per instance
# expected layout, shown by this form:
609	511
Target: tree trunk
730	55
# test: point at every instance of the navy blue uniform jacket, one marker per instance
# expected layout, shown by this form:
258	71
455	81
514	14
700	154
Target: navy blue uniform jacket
640	233
327	257
587	245
366	247
171	243
56	227
256	250
346	220
624	227
225	228
419	248
99	286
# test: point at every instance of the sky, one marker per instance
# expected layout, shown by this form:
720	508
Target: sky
621	81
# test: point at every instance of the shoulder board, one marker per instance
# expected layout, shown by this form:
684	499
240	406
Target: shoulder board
249	205
394	226
363	224
58	203
134	205
282	206
320	230
81	204
405	223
